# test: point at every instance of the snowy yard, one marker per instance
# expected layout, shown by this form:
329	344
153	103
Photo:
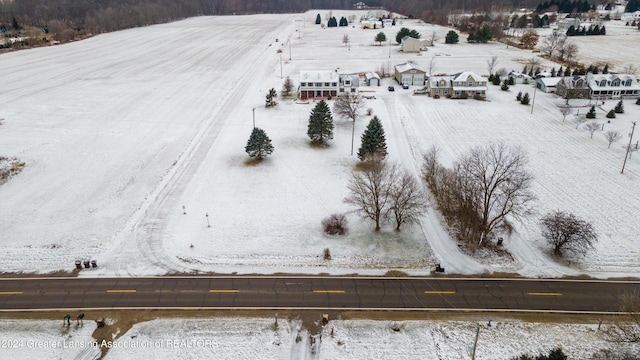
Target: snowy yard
258	338
131	138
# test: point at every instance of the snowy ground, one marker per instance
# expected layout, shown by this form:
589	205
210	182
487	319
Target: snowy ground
258	338
124	133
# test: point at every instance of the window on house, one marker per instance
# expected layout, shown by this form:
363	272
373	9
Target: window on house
347	82
627	83
318	84
603	83
341	90
333	84
353	89
615	83
437	91
470	84
442	83
326	84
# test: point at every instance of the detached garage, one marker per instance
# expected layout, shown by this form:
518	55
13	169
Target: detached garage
409	73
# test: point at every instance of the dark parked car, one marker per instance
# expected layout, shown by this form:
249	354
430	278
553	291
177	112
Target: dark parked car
391	88
405	86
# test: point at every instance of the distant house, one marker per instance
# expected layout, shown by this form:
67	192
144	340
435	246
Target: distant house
566	23
409	73
547	84
573	87
519	78
410	44
613	86
318	83
372	79
458	85
371	24
349	83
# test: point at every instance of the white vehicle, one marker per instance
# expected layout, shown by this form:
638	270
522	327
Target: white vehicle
420	91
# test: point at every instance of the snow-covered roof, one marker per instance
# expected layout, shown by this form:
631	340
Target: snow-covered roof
371	75
408	67
514	73
595	81
549	81
465	75
319	75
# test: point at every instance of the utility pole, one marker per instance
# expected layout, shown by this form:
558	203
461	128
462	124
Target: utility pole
254	117
207	216
533	102
626	155
280	65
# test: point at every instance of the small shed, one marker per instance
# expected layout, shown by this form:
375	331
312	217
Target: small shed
519	78
547	85
372	79
409	73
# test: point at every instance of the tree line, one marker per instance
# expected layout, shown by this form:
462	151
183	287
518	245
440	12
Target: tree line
78	18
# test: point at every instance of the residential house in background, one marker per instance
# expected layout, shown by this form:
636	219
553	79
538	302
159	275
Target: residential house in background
519	78
349	83
413	45
409	73
547	84
573	87
458	85
613	86
318	83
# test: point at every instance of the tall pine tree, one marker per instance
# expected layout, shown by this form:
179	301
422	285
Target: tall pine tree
320	127
373	143
259	144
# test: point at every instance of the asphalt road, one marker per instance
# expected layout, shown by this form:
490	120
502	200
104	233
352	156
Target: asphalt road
303	292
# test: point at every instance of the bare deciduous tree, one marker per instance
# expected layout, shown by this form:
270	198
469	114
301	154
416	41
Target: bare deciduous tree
369	190
483	191
552	42
432	65
626	329
580	120
592	127
529	39
350	106
570	51
345	39
612	136
567	233
492	63
565	112
407	200
502	184
335	224
287	87
434	38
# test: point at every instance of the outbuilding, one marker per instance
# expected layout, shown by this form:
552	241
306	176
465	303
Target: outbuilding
372	79
409	73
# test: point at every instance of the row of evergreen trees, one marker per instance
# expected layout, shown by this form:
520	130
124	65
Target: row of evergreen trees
565	6
583	30
334	23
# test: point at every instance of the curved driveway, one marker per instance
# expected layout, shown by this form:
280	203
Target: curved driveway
304	292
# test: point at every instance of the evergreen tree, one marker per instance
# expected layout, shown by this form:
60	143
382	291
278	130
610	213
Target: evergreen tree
611	114
592	112
332	22
472	37
318	19
271	98
511	81
505	85
606	69
567	71
603	31
380	38
519	96
619	109
15	25
553	71
373	143
632	6
451	38
496	80
259	144
320	128
560	72
525	99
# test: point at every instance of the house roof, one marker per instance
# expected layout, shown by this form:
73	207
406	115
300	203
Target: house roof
595	79
549	81
371	75
463	76
407	67
319	75
518	74
434	81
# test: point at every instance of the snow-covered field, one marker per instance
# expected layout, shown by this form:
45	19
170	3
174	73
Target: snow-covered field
131	138
258	338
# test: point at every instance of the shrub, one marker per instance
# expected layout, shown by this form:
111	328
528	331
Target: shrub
519	96
611	114
525	99
336	224
638	101
619	109
464	95
478	97
436	96
326	254
592	113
